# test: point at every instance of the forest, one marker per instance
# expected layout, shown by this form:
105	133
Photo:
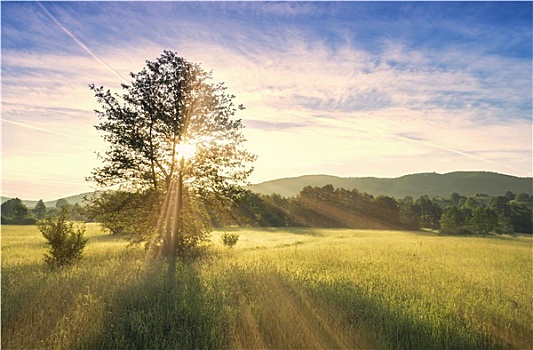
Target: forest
330	207
320	207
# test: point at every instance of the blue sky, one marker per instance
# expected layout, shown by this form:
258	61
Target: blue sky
343	88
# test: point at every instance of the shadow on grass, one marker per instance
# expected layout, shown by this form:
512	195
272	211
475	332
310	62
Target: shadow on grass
159	313
307	231
108	238
394	324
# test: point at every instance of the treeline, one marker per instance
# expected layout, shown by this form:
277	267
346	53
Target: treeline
15	212
316	207
509	213
327	207
331	207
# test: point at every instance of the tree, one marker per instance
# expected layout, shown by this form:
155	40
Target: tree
456	199
428	211
484	220
171	129
521	218
126	213
510	195
500	204
452	219
522	197
61	203
40	210
15	212
471	203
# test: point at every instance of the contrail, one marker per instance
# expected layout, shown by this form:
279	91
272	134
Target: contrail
28	126
82	45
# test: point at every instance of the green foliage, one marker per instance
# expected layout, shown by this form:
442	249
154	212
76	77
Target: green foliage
229	239
319	207
62	203
40	210
66	243
126	213
453	221
169	103
15	212
428	211
484	220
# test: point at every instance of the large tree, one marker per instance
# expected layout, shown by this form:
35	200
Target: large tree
172	129
14	211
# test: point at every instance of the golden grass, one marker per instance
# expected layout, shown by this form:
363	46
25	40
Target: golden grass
278	288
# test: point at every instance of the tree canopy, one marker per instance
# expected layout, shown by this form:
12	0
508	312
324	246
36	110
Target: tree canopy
171	129
171	102
15	212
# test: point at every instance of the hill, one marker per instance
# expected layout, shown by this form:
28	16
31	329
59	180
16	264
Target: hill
466	183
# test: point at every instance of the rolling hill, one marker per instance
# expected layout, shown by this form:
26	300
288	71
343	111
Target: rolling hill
466	183
432	184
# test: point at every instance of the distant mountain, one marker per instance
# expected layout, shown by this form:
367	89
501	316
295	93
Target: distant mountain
467	183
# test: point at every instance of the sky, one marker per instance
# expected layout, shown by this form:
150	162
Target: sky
349	89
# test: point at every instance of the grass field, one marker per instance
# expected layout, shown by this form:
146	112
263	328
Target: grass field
278	288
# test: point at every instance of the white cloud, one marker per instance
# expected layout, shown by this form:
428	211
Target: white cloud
312	107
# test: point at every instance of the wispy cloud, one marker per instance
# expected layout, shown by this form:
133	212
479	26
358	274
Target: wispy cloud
29	126
362	89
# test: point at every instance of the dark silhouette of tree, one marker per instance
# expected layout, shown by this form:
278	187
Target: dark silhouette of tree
452	219
15	212
171	107
40	210
62	203
484	220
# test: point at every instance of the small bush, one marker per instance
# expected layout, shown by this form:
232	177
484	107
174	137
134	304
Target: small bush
66	243
230	239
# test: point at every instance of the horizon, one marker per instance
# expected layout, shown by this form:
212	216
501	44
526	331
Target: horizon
283	178
355	89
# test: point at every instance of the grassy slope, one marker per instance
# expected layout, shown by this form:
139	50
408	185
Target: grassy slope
278	289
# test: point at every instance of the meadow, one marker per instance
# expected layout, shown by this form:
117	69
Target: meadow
278	288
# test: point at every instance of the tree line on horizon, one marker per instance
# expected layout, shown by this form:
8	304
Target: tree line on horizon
15	212
331	207
132	214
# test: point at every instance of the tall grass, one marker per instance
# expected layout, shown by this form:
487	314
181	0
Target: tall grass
108	300
277	288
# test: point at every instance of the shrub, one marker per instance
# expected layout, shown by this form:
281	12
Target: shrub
230	239
66	242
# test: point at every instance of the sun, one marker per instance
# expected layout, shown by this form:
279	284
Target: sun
186	150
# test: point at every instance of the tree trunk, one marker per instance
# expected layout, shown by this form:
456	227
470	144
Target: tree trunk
176	222
175	230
